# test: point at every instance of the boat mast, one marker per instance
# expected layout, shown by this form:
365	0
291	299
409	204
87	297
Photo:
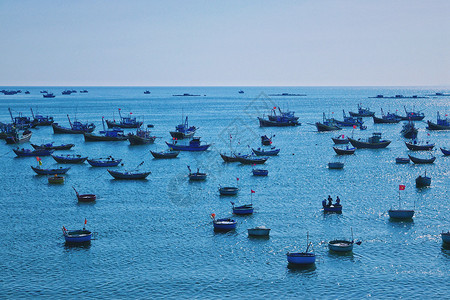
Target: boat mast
103	123
120	115
10	113
32	114
70	123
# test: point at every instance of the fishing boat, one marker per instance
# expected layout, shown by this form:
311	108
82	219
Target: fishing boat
225	224
344	151
84	91
340	140
386	119
111	135
402	160
228	190
104	162
85	197
82	236
258	231
125	122
165	154
401	214
350	121
251	159
183	130
49	95
266	141
260	172
69	158
56	179
141	137
240	91
194	145
409	131
445	237
185	95
41	171
228	157
330	207
441	124
336	165
280	123
373	142
33	153
282	115
418	146
246	209
196	176
75	127
147	92
423	181
418	160
50	146
129	175
340	245
20	122
261	152
39	120
445	151
327	124
302	258
19	138
362	112
411	115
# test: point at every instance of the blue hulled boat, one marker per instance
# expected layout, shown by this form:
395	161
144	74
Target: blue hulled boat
130	175
194	145
302	258
69	158
246	209
41	171
104	162
260	172
224	224
81	236
183	130
125	122
261	152
75	127
33	153
441	124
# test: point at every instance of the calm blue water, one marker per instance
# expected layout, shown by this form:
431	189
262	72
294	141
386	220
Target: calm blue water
155	237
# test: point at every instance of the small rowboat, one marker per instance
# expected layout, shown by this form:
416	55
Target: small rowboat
335	165
41	171
85	197
260	172
402	160
56	179
69	158
340	140
258	231
340	245
50	146
419	147
401	214
446	152
346	151
446	237
77	236
333	208
418	160
197	176
129	175
27	152
251	160
224	224
229	157
246	209
165	154
104	162
302	258
262	152
228	190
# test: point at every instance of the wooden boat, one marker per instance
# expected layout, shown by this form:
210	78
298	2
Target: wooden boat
19	138
401	214
56	179
104	162
330	207
125	122
327	125
75	127
251	160
414	146
77	236
423	181
445	237
69	158
41	171
411	115
258	231
50	146
260	172
402	160
446	152
229	157
302	258
386	119
85	197
183	130
165	154
418	160
225	224
266	141
21	122
194	145
128	175
141	137
281	119
409	131
350	121
261	152
106	135
33	153
346	151
197	176
340	245
441	124
340	140
246	209
362	112
39	120
228	190
373	142
267	123
335	165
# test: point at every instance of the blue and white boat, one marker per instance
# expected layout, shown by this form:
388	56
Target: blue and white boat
261	152
104	162
401	214
194	145
125	122
81	236
75	127
246	209
183	130
225	224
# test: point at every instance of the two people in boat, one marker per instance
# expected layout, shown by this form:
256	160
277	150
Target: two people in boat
330	202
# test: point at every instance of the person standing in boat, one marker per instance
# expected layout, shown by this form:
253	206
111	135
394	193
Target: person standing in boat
330	200
338	201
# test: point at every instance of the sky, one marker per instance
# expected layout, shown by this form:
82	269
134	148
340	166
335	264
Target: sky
225	43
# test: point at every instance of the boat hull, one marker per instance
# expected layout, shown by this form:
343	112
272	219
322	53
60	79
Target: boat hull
243	210
339	141
301	258
268	123
364	145
414	147
401	214
51	147
69	159
228	158
104	163
251	161
13	140
112	124
377	120
86	197
78	236
258	231
38	152
228	191
182	135
402	160
224	224
89	137
434	126
445	152
59	171
340	151
128	175
137	140
423	181
322	127
417	160
332	209
56	180
197	176
165	155
445	237
340	246
335	165
266	153
260	172
187	147
60	130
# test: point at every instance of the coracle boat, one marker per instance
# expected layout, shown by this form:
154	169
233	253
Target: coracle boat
415	146
125	122
418	160
373	142
340	245
445	237
302	258
423	181
400	214
85	197
194	145
69	158
409	131
129	175
17	138
441	124
141	137
56	179
362	112
165	154
50	146
336	165
327	125
225	224
228	190
33	153
344	151
104	162
261	152
251	160
340	140
402	160
260	172
330	207
197	176
82	236
41	171
75	127
258	231
183	130
246	209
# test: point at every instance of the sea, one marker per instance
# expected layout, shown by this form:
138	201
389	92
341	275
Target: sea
155	239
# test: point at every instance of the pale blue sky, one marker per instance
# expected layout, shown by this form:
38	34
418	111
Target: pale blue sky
200	43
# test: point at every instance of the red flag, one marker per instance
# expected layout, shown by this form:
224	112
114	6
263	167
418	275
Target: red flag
38	158
131	113
354	126
119	108
237	178
343	136
274	107
253	191
213	215
173	139
401	187
85	221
